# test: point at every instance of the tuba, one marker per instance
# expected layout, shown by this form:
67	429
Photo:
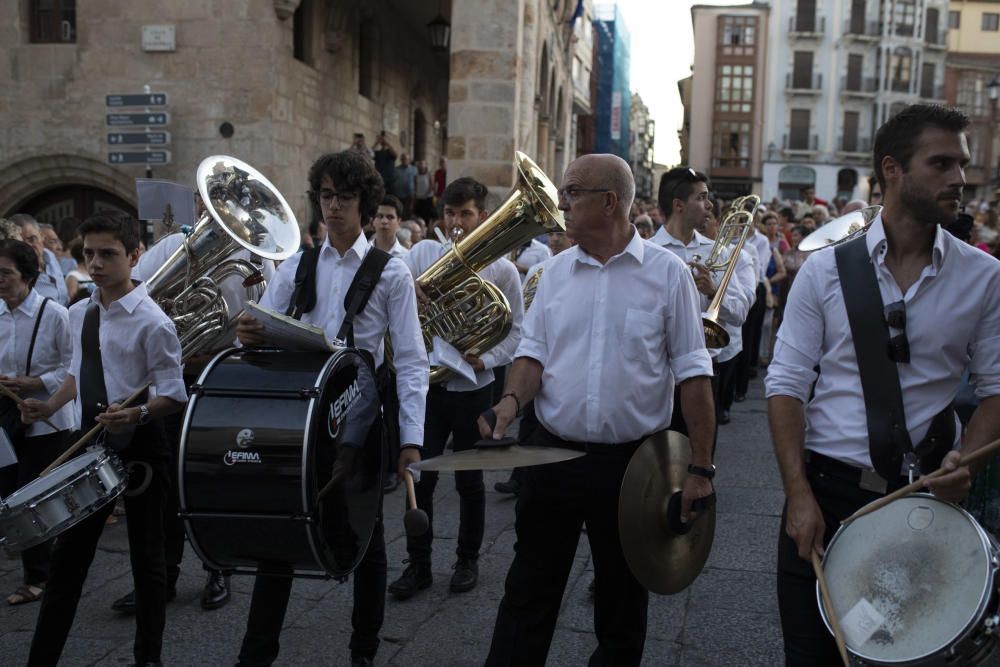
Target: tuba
463	309
244	211
736	228
841	230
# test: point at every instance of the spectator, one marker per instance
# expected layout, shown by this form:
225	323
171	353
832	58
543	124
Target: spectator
809	200
772	231
404	183
386	223
51	282
403	236
424	192
786	221
821	214
854	205
440	178
809	222
385	160
78	281
794	258
644	225
359	146
416	231
51	240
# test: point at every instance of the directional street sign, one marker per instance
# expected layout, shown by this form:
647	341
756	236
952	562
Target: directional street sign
136	100
148	119
139	157
138	138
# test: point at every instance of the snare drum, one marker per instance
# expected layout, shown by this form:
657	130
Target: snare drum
262	431
914	583
61	499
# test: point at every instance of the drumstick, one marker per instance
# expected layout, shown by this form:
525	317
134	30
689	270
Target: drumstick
838	634
415	521
915	486
90	434
20	401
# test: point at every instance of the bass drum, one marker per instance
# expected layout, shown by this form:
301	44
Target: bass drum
263	433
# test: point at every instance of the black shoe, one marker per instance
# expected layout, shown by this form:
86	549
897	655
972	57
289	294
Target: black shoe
510	486
391	482
126	603
739	398
416	577
724	417
362	661
216	593
466	575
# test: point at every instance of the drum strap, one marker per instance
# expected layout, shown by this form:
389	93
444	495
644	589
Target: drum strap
34	335
304	295
361	289
888	438
92	388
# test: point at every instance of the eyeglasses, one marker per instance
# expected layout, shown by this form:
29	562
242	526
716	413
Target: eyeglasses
899	345
571	194
327	197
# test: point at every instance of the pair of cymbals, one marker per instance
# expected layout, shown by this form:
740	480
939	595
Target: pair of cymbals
503	454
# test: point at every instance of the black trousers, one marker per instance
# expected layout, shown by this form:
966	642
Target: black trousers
807	641
34	454
749	357
677	422
73	552
453	413
554	503
725	385
270	601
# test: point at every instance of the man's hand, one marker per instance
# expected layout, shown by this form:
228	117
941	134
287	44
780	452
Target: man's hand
474	361
703	279
33	410
407	456
804	523
22	384
116	418
954	485
505	411
250	331
695	487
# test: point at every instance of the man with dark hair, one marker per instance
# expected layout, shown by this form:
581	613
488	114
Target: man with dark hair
347	190
359	146
454	406
786	222
387	219
404	183
931	304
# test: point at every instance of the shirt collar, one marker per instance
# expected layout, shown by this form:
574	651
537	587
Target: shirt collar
876	241
129	302
635	248
29	306
665	238
360	247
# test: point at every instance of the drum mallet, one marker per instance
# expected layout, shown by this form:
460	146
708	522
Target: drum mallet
915	486
415	521
20	401
90	434
838	634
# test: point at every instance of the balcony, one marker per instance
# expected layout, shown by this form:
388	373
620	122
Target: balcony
931	92
854	147
899	86
800	146
905	30
796	85
938	41
865	31
802	26
859	86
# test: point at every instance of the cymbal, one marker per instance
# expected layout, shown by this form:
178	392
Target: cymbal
841	229
498	457
664	560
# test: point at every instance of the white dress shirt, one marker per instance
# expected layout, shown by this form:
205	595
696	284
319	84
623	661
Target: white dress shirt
739	295
51	282
762	247
50	359
392	305
536	253
397	249
138	345
612	339
952	323
504	275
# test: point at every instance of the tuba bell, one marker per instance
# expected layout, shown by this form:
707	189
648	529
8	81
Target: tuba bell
463	309
841	230
243	211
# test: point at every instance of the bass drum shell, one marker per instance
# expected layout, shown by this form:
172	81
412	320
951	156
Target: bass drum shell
261	434
928	571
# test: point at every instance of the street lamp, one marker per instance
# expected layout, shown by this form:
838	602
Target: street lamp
440	33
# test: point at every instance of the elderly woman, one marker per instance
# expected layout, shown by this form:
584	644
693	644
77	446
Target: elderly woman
35	354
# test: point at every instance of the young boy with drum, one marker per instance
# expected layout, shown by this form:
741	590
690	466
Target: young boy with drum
124	343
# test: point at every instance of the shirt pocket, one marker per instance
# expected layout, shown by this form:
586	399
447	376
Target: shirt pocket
642	336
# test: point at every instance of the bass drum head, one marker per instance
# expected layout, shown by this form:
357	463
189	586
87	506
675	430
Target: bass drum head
347	461
909	580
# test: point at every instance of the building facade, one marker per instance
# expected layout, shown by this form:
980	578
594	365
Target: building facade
611	64
643	136
276	83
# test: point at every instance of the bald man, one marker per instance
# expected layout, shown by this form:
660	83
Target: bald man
629	310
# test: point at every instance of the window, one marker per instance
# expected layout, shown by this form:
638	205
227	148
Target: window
971	96
991	22
731	144
931	33
899	70
927	81
805	16
366	56
854	65
904	15
802	70
798	137
857	25
52	21
850	141
737	35
734	89
954	20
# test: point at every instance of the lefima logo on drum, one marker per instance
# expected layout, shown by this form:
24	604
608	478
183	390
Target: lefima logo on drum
233	457
340	406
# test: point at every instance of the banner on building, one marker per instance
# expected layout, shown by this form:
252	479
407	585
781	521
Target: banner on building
616	115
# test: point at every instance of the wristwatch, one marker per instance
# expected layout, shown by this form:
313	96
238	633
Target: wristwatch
708	472
144	415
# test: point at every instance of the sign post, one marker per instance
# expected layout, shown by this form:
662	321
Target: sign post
138	121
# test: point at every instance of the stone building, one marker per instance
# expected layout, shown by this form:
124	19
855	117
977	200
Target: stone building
643	136
276	83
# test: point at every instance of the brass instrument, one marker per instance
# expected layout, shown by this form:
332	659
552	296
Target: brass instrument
736	228
463	309
841	230
530	287
243	211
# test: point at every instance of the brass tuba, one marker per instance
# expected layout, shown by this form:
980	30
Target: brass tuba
463	309
736	228
841	230
243	211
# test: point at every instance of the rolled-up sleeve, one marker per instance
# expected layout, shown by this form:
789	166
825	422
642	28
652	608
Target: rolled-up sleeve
409	355
791	371
509	282
686	352
984	351
163	359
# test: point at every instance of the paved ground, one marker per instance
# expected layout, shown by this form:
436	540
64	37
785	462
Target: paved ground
728	617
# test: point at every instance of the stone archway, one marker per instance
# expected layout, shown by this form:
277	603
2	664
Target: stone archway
25	178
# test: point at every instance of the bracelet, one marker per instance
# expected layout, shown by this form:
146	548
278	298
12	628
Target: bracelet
514	396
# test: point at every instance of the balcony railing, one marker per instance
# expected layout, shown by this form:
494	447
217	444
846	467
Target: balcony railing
931	92
801	25
938	40
854	144
899	86
813	83
862	30
905	29
860	86
811	144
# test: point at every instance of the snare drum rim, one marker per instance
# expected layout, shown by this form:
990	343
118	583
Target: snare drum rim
973	622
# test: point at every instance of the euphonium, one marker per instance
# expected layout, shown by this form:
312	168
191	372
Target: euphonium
243	211
466	311
736	228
